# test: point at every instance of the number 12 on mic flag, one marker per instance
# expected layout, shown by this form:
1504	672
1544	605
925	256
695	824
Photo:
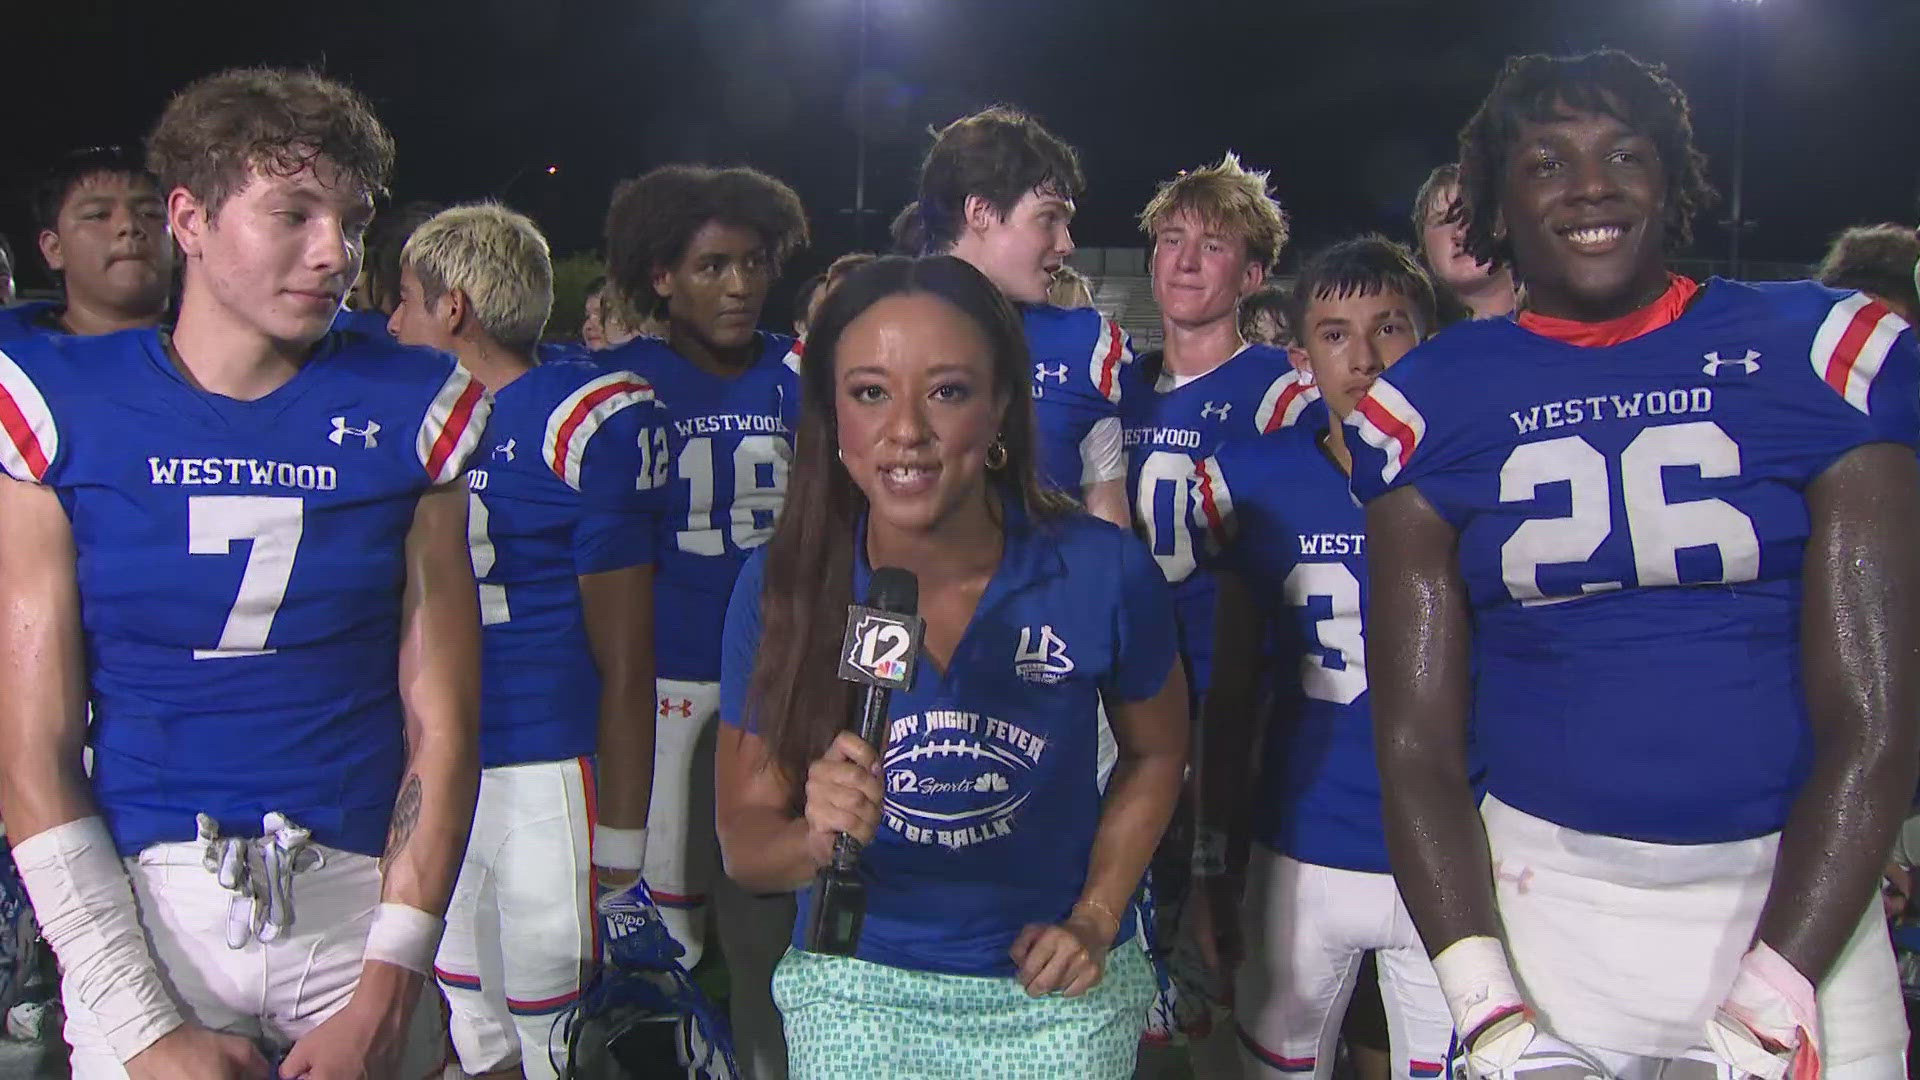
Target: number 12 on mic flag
881	647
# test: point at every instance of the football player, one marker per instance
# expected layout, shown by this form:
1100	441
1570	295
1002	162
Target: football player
1469	288
560	534
997	190
1318	893
103	233
1216	233
699	248
242	544
1651	542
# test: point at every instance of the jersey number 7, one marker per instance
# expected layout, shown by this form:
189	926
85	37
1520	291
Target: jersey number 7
273	524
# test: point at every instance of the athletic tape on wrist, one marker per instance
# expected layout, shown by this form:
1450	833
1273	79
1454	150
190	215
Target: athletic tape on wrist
1477	982
84	904
1776	1002
619	849
405	936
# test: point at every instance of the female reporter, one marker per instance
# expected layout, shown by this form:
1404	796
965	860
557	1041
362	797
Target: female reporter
1000	867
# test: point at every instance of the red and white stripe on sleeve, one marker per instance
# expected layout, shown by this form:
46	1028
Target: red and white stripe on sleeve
32	439
1286	399
571	425
1390	424
1110	352
1852	343
453	426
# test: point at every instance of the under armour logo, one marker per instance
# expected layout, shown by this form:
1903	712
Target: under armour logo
684	707
365	434
1042	661
1209	412
504	451
1041	373
1747	364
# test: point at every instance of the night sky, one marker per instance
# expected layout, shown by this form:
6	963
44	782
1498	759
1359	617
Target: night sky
1348	102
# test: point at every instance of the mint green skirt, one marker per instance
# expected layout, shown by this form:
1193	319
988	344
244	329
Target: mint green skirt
850	1019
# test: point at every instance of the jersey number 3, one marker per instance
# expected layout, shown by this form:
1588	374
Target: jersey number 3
1659	530
273	524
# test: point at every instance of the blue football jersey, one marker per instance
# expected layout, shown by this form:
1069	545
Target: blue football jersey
1078	355
1179	507
991	770
721	465
29	318
241	566
1300	548
562	489
371	324
1632	521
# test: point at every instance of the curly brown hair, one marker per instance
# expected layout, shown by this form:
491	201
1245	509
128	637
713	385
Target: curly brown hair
652	220
1539	89
999	154
1876	259
219	129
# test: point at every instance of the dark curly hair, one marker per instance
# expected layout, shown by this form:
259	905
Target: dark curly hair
1876	259
999	154
652	219
219	128
1539	89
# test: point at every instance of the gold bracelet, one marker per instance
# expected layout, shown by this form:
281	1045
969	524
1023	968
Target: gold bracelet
1102	909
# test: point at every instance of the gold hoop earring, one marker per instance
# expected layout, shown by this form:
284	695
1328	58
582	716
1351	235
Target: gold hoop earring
997	454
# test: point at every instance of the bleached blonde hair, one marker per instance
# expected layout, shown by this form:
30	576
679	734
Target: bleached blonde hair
494	256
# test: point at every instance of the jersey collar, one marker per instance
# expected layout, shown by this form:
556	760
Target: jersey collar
1670	305
1026	559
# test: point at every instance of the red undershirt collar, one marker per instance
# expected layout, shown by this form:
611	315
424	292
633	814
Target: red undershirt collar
1669	306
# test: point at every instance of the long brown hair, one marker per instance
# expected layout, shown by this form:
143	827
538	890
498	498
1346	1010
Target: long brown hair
796	701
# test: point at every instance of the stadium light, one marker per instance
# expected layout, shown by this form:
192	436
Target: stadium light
1737	223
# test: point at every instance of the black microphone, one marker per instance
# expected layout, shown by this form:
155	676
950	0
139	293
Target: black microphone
881	647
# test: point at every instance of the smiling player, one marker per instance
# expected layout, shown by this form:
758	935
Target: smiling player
1651	542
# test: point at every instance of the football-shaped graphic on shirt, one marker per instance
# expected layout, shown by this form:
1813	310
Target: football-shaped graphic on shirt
957	778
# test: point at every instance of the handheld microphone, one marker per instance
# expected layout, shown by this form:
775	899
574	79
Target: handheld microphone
878	654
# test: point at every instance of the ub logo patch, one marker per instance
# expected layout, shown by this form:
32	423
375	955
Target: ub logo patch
1043	658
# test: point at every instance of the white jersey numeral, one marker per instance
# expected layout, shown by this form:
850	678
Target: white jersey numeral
493	598
1339	634
273	525
1167	477
751	497
1658	529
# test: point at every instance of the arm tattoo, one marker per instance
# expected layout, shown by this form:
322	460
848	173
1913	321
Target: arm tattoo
406	814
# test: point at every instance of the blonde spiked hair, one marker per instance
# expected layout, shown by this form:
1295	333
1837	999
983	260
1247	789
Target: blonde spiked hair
1227	197
497	258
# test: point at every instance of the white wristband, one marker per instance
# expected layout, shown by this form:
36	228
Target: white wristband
406	937
85	907
619	849
1477	982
